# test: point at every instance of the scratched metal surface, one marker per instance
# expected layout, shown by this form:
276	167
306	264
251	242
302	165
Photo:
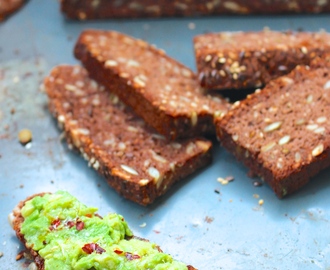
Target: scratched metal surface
228	230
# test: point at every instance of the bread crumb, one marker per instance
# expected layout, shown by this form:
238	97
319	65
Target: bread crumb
256	196
1	254
191	26
143	225
261	202
25	136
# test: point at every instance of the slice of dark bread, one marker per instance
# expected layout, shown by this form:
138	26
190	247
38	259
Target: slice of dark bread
137	162
7	7
162	91
236	60
16	220
106	9
282	133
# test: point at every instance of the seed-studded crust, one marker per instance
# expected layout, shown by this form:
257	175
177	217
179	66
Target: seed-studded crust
162	91
136	161
282	133
103	9
16	220
7	7
236	60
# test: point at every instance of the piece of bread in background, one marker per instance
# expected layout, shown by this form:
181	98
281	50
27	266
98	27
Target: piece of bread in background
237	60
109	9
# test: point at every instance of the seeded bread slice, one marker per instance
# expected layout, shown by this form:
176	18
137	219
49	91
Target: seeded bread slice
16	220
104	9
7	7
282	133
251	59
162	91
137	162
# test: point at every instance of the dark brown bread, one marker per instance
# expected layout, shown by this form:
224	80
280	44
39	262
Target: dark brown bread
282	133
103	9
136	161
162	91
7	7
16	219
251	59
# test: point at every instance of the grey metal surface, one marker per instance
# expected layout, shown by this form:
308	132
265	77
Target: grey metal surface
228	230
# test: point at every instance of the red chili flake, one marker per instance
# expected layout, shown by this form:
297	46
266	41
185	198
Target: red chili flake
70	224
88	215
129	256
118	251
80	225
55	224
91	247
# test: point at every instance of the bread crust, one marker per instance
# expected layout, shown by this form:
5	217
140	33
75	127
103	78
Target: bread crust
105	9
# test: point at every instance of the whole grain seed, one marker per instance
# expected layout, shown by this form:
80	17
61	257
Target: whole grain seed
194	118
110	63
208	58
300	122
129	169
309	99
139	82
143	182
132	63
284	140
267	147
304	50
326	85
190	148
83	131
321	120
273	126
25	136
297	157
157	157
234	137
312	127
96	165
154	173
318	150
320	130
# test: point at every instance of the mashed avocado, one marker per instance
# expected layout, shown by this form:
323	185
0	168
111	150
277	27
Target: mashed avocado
69	235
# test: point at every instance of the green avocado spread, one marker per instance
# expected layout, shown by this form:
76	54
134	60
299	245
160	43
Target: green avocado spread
69	235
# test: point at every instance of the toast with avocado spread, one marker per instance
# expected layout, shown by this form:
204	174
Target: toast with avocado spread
60	232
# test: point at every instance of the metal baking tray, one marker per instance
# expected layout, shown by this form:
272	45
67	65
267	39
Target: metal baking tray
200	221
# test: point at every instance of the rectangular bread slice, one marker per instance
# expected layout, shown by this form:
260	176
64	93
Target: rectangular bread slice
162	91
236	60
105	9
137	162
60	232
282	133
